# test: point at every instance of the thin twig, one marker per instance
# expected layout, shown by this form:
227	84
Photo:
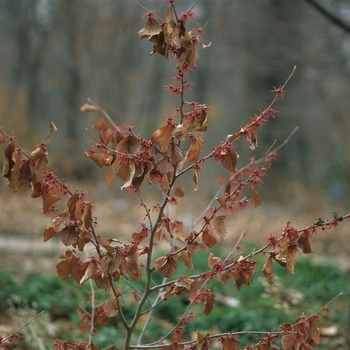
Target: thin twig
240	237
148	10
221	335
103	112
150	314
26	324
92	321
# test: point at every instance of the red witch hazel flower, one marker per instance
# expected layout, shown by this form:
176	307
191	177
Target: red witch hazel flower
279	91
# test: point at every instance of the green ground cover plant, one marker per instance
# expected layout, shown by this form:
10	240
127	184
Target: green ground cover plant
154	290
261	306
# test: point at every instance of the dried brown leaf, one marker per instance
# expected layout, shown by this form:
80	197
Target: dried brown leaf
291	258
213	261
73	205
164	183
36	189
186	126
313	332
128	172
187	259
88	108
195	149
138	181
60	221
18	180
195	180
229	160
63	269
111	307
218	228
166	265
252	139
90	269
208	239
8	161
110	173
267	270
162	137
256	197
230	343
98	158
2	137
203	342
49	233
177	229
291	341
53	127
163	165
68	236
304	243
192	54
222	201
128	145
103	241
179	192
87	216
209	303
175	154
49	199
151	27
40	169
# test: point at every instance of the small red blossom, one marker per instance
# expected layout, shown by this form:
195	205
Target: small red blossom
186	17
272	241
128	128
173	201
149	15
173	90
279	91
155	208
334	223
132	191
188	317
198	32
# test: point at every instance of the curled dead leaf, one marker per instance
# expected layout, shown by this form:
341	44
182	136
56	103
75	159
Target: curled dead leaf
88	108
53	127
151	27
98	158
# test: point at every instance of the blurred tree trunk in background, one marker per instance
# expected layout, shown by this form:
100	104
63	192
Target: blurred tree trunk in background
57	53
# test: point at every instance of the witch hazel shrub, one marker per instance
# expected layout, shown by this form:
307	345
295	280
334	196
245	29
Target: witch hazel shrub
145	267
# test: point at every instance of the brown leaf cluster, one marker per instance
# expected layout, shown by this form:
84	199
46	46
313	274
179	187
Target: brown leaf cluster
243	273
229	342
19	171
305	336
74	225
183	284
170	36
287	248
22	171
110	135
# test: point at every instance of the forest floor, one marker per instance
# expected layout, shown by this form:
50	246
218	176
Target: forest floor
22	225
